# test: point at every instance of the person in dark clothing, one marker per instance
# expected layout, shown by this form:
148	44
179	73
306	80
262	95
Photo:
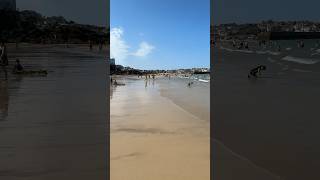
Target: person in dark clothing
18	67
4	62
4	55
255	71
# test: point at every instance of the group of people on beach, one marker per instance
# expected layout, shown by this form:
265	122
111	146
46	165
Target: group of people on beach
147	76
240	45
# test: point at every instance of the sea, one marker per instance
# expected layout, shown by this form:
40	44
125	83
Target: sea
281	51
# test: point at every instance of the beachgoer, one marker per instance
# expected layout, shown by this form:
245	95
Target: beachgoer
18	67
302	44
4	55
255	71
4	59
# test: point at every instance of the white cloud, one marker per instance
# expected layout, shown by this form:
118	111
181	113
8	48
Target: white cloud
144	49
118	46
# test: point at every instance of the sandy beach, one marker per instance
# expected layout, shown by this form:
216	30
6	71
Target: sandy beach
266	128
54	127
152	137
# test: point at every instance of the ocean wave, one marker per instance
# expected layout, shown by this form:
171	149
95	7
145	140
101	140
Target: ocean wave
300	60
252	52
316	52
203	80
268	52
236	50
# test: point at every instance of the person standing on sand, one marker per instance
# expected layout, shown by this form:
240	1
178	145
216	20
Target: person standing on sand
4	55
18	67
4	59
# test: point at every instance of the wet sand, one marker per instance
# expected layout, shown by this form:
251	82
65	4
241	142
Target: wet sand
268	125
154	138
54	127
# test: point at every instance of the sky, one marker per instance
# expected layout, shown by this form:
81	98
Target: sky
167	34
94	12
244	11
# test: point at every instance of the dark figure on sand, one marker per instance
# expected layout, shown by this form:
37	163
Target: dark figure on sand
118	84
255	71
4	55
189	84
18	67
4	59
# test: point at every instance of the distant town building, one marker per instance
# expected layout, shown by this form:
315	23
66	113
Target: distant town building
8	5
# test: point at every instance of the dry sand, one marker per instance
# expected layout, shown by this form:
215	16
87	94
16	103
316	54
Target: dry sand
153	138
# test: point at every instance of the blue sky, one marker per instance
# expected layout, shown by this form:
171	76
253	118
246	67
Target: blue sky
166	34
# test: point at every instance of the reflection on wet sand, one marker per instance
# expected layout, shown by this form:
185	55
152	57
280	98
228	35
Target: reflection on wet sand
4	100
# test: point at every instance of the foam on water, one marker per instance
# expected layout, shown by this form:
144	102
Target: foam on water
202	80
236	50
300	60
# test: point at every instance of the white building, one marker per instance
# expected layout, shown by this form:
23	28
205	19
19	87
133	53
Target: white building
8	4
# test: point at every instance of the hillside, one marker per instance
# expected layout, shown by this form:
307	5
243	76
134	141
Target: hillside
32	27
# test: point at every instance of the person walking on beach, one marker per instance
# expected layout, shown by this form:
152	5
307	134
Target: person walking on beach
234	43
4	59
18	67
